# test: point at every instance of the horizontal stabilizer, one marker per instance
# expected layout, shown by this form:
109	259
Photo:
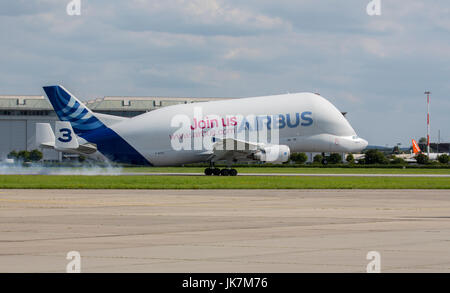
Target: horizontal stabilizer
64	141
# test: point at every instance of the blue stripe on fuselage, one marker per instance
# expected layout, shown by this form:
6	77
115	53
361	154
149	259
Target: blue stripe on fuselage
114	147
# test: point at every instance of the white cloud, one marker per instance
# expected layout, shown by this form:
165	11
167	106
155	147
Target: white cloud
373	46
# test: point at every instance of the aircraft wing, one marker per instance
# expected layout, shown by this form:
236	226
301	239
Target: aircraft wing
234	150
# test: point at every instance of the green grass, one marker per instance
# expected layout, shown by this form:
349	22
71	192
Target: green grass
285	170
204	182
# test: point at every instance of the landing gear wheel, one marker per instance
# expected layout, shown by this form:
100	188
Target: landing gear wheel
216	171
208	171
224	172
233	172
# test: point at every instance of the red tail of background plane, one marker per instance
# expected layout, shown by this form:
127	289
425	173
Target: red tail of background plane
416	148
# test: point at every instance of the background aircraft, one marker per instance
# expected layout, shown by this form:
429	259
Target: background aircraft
417	150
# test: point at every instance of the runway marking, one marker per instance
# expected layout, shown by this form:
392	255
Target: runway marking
87	203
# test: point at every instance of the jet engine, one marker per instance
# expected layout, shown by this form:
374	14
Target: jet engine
273	154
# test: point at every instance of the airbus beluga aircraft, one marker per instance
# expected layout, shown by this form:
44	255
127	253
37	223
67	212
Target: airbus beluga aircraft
266	129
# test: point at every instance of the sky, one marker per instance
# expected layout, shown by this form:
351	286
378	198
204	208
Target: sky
376	68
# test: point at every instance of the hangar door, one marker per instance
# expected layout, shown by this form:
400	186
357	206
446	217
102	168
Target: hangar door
13	136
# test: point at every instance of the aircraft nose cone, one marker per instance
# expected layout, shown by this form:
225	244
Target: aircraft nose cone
364	143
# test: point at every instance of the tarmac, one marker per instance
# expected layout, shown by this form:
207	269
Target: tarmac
225	230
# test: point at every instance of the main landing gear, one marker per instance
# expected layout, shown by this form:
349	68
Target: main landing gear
217	172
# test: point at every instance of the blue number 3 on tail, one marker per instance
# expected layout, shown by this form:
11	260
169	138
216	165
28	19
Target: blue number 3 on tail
66	135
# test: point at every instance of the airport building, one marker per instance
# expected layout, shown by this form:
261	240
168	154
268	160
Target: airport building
19	115
435	147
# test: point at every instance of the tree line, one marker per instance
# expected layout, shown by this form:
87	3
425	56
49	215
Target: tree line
26	156
371	157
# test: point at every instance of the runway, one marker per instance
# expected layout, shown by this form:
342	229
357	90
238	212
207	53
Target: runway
98	173
225	230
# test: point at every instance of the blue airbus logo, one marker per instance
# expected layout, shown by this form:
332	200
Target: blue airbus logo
303	119
279	121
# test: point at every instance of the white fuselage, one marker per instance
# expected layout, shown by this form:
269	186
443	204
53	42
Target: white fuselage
435	156
306	122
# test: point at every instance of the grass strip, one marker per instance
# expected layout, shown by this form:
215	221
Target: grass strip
207	182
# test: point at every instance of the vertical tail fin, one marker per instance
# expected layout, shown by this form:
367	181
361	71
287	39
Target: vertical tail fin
69	108
416	148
